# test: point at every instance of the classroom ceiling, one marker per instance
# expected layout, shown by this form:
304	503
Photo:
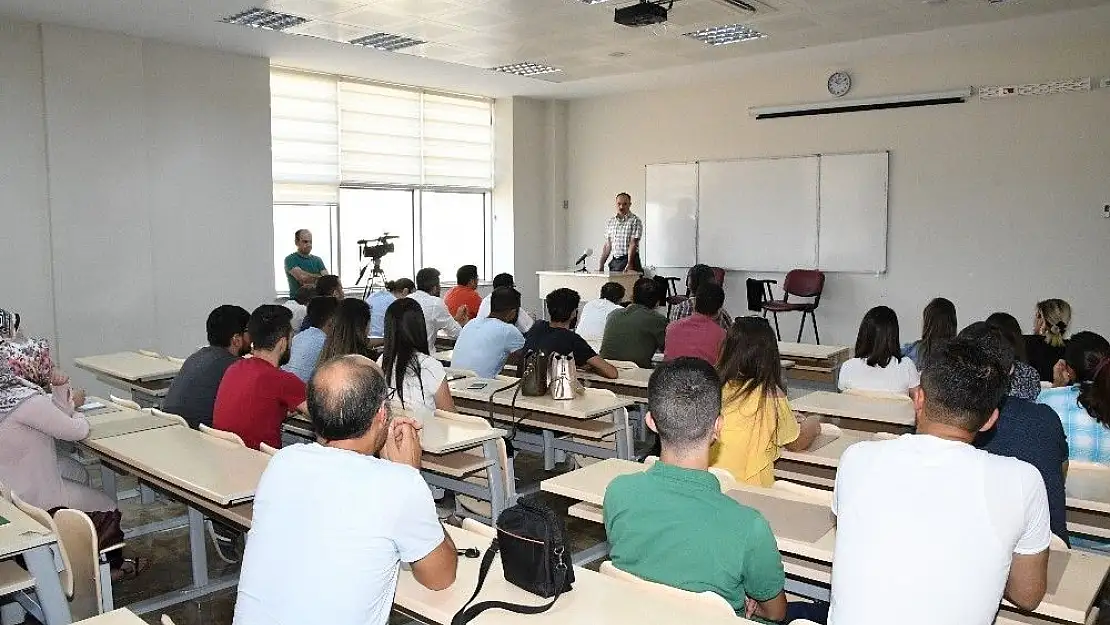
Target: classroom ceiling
463	39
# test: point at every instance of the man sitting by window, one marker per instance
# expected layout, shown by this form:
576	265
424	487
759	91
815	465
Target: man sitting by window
464	293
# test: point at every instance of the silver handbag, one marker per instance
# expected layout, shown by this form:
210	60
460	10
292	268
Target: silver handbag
562	378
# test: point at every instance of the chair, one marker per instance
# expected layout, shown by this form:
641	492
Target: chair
709	600
799	283
476	526
124	403
718	275
227	436
673	298
883	395
816	494
266	449
169	621
180	420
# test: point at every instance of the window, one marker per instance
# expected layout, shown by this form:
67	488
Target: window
354	160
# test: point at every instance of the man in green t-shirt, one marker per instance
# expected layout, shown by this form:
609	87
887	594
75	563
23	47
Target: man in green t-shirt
635	332
301	267
672	525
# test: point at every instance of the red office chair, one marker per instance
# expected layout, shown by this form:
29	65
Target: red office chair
799	283
718	275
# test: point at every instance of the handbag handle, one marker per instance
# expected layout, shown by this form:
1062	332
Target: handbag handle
469	612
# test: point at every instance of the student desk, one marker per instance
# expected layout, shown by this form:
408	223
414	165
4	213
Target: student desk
145	375
596	598
580	417
817	363
1088	499
857	412
23	536
114	420
817	465
122	616
211	476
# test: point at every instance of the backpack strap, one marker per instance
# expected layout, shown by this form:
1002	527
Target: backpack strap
469	612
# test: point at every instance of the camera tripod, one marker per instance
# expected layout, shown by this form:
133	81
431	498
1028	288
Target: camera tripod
376	282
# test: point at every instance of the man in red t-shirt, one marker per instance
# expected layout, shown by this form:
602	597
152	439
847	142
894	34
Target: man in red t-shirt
464	293
255	395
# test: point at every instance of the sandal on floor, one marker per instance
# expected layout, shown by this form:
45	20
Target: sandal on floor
130	569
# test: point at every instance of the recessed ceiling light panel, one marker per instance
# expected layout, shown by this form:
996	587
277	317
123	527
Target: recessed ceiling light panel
387	42
722	35
264	18
526	69
592	1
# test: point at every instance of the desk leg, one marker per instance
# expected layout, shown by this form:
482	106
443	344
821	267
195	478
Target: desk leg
548	450
198	548
623	435
498	494
48	587
108	479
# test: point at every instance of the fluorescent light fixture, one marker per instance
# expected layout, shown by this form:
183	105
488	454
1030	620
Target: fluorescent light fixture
830	107
264	18
386	42
526	69
722	35
592	1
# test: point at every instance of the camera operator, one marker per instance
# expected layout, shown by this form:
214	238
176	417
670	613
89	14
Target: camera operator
302	268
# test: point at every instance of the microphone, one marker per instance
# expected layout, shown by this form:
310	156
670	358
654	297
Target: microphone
586	254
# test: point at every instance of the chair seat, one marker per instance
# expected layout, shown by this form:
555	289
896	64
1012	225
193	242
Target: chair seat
779	306
675	300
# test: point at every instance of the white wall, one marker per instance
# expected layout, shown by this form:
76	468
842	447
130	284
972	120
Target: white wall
992	204
151	202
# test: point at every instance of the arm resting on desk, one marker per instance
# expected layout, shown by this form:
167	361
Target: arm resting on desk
1028	580
436	571
603	368
808	430
40	413
444	401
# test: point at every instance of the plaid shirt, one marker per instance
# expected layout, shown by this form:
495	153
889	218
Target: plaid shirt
684	309
620	232
1088	440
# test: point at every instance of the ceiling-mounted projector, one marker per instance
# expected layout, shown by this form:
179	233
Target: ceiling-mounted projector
642	14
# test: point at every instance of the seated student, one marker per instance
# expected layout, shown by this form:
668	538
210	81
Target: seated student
635	333
485	343
1081	397
698	335
366	514
524	321
758	421
1025	430
308	343
299	304
436	315
1045	347
417	379
698	276
464	293
326	286
938	325
672	525
879	365
348	330
929	529
255	395
556	337
1025	382
192	394
379	301
595	314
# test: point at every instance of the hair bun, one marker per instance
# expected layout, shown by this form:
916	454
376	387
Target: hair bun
1061	326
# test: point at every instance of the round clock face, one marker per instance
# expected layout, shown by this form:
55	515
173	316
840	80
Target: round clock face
840	83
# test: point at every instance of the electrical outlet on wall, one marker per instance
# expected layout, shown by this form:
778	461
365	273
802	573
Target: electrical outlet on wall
1106	211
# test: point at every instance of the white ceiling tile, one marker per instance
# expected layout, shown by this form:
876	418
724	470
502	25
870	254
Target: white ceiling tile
314	8
332	31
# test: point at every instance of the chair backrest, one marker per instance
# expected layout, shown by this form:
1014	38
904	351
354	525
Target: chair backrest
169	415
816	494
168	621
804	283
707	599
725	477
5	491
124	403
43	518
829	429
650	460
885	436
78	535
473	525
718	275
225	435
884	395
266	449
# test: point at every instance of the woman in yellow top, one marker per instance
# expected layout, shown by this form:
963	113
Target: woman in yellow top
758	421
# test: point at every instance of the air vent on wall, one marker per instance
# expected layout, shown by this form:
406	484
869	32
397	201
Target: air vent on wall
256	17
386	42
863	104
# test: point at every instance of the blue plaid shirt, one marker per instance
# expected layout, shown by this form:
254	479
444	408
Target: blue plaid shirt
1088	440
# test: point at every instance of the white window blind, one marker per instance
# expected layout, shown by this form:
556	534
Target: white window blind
304	126
381	134
458	142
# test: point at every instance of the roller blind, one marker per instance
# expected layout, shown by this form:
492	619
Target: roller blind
304	130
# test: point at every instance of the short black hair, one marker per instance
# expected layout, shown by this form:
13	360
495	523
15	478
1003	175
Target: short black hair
645	293
699	274
993	343
1011	331
326	285
613	291
626	195
561	304
400	284
684	399
427	279
320	309
709	299
504	299
344	408
269	323
877	340
226	321
305	295
466	273
503	279
964	384
297	234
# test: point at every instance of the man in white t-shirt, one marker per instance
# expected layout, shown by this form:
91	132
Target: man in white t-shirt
436	315
524	321
931	530
591	323
364	515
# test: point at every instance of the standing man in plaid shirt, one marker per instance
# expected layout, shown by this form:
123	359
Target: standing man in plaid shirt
622	237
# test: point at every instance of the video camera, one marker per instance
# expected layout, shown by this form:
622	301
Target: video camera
382	247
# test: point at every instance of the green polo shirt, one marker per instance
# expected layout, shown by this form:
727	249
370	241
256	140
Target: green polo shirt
634	333
673	526
310	263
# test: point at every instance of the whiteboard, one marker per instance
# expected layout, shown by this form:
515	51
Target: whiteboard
758	214
853	216
672	215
